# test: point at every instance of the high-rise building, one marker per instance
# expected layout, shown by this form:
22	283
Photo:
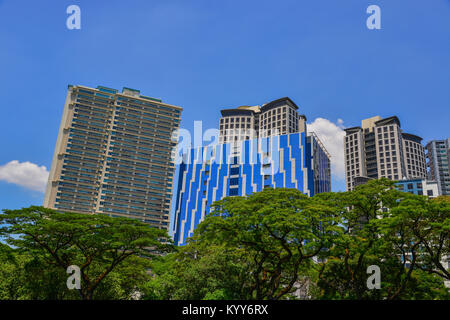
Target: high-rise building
248	165
114	155
379	148
438	155
247	122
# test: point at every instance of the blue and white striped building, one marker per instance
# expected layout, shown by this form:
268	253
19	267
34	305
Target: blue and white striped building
211	173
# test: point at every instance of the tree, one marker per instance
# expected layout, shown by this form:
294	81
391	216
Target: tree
9	266
433	231
344	273
279	230
264	242
198	272
98	244
381	226
262	246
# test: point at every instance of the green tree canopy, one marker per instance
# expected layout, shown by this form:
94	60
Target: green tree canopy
381	228
279	230
97	244
273	244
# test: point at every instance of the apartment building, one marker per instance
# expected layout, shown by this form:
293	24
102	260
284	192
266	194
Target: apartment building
438	156
248	122
114	155
277	153
208	174
379	148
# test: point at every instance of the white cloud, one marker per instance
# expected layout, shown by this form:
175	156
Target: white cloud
332	136
25	174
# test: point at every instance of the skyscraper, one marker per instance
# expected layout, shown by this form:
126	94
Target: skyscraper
250	162
379	148
274	118
438	155
114	155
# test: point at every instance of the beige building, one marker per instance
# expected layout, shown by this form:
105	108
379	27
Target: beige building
415	159
114	155
379	148
247	122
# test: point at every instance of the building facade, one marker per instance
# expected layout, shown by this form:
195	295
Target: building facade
379	148
248	122
438	156
211	173
114	155
259	147
420	187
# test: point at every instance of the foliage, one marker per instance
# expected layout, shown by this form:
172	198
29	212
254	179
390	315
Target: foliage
280	231
200	272
274	244
51	241
380	229
265	245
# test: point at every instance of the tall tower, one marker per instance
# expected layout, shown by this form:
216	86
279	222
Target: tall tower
277	153
438	155
114	155
248	122
379	148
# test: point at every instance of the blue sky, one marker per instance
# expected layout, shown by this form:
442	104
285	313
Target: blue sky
208	55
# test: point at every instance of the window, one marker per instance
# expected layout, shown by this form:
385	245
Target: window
234	181
234	171
234	192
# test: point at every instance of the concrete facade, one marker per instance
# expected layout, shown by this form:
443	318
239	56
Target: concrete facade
114	155
379	148
248	122
420	187
438	157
